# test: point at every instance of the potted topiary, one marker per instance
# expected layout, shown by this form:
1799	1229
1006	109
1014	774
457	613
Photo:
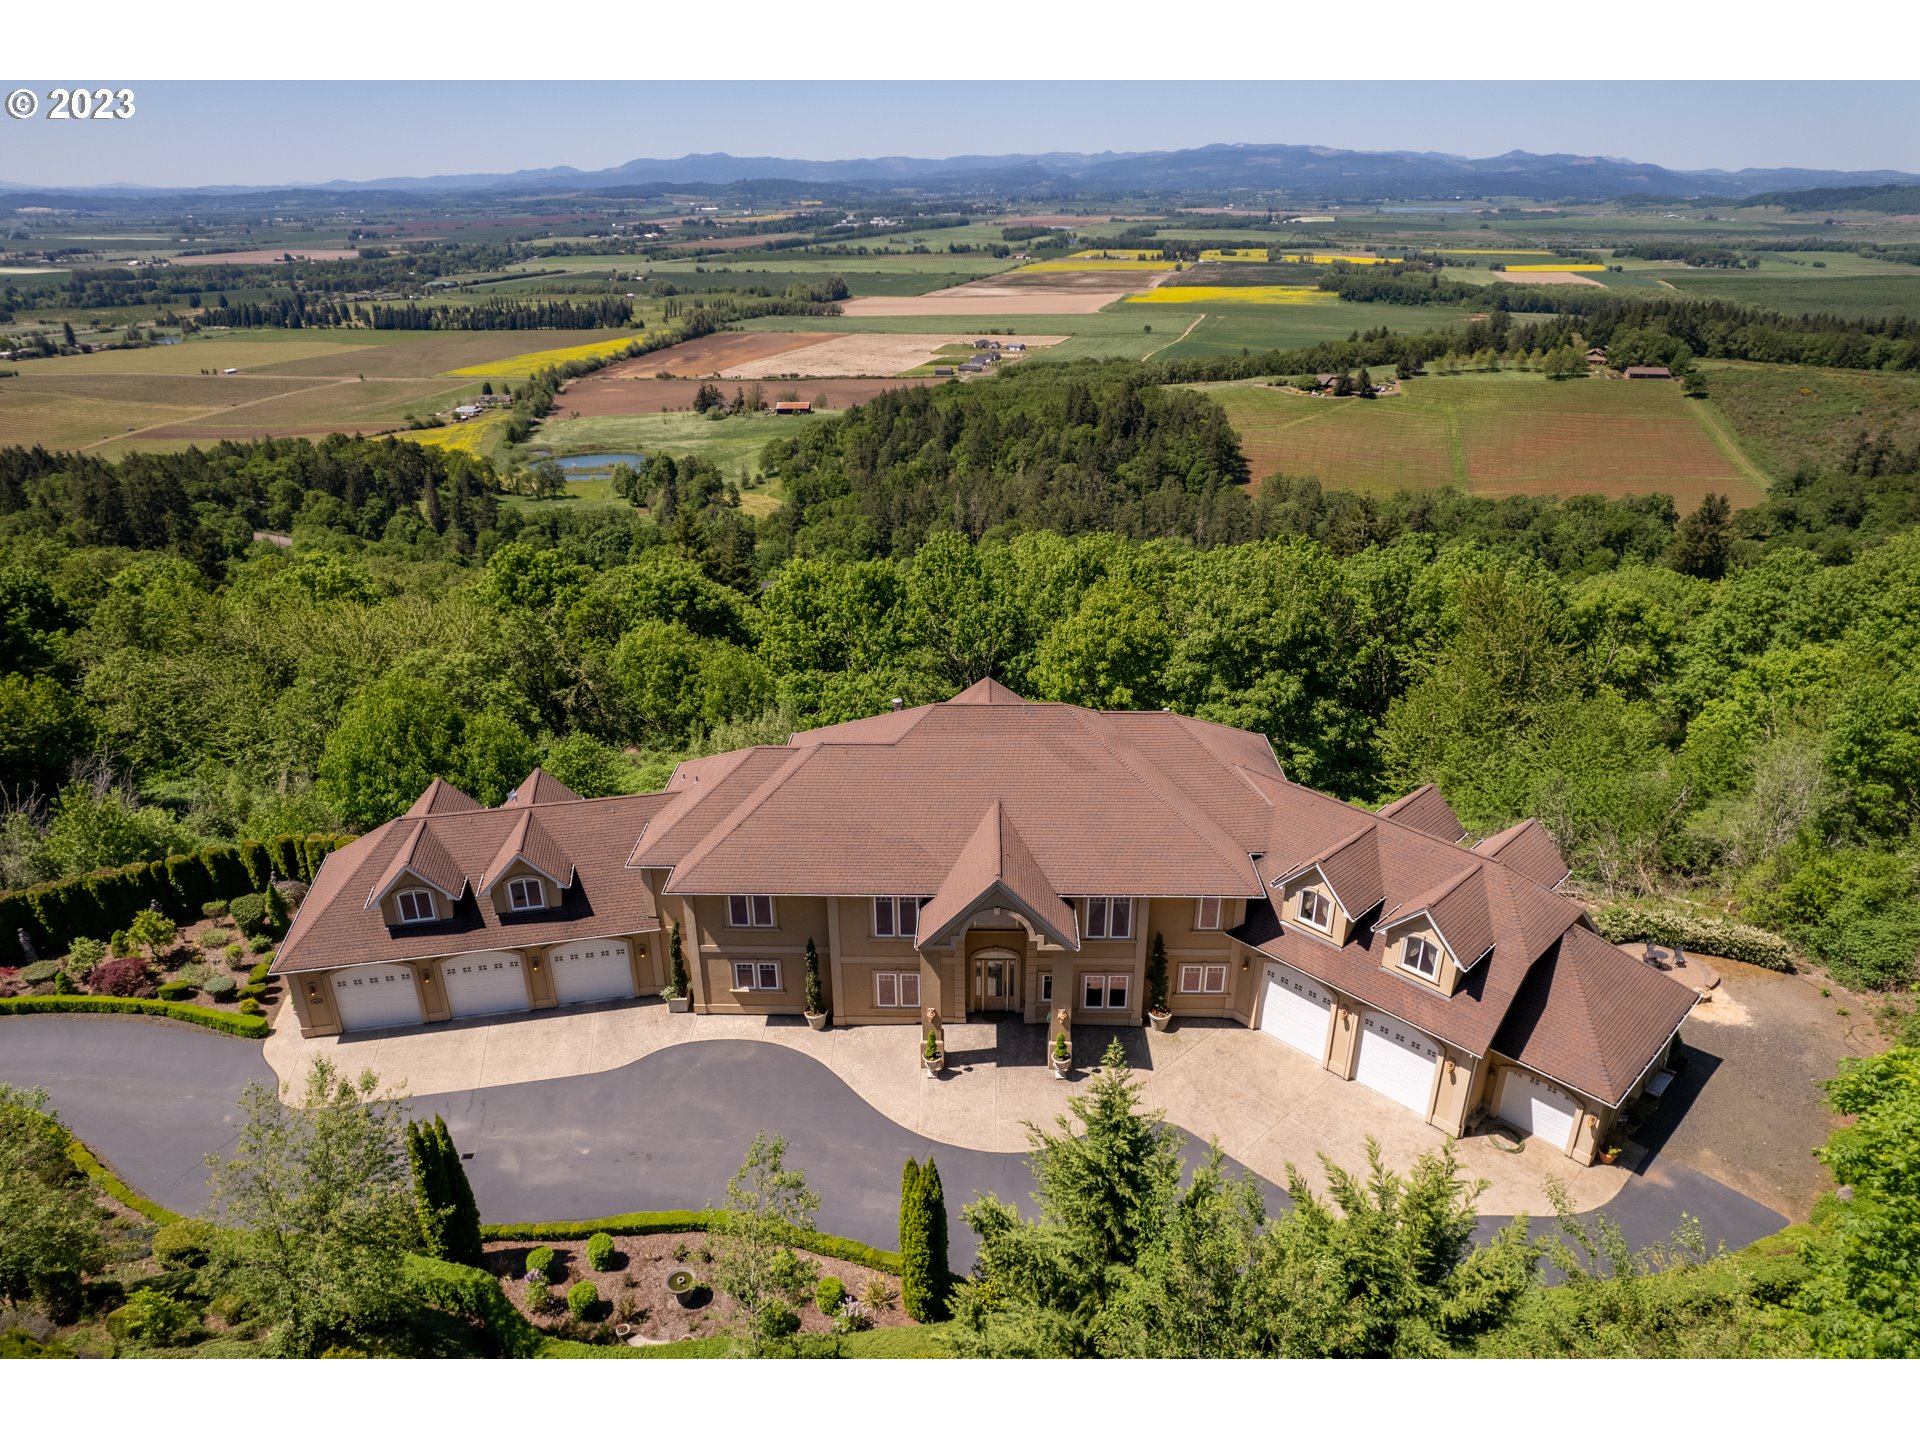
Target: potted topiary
933	1050
678	993
816	1007
1060	1058
1158	1015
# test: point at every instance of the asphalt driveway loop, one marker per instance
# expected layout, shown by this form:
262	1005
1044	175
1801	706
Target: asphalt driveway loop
1745	1107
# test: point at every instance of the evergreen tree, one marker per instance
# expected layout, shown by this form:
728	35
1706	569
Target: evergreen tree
276	909
461	1227
933	1204
423	1160
1704	542
677	981
1157	973
816	1004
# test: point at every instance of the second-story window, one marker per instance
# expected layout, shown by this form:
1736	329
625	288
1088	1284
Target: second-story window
413	906
1109	917
525	894
1207	913
1315	910
750	912
1421	956
896	916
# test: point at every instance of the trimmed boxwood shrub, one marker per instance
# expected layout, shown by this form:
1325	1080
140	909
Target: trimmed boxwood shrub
214	909
674	1222
177	990
600	1250
258	974
260	945
248	1027
1698	931
463	1290
543	1263
582	1298
249	1005
249	913
184	1243
829	1293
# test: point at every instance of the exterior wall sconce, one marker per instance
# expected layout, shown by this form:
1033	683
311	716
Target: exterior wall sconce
534	964
313	992
426	977
1244	962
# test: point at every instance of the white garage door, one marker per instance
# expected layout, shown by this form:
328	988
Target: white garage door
370	996
1397	1060
595	970
484	984
1534	1107
1295	1009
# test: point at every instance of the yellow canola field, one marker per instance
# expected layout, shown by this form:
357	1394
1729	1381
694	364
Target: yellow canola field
1254	257
1235	295
1493	252
1043	267
1106	254
1554	269
534	360
468	436
1329	259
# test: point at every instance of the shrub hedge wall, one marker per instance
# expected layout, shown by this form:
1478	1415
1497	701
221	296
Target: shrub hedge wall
1698	931
247	1027
672	1222
96	905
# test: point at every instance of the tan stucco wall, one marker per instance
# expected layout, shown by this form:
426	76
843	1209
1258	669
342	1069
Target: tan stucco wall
1339	922
1445	979
517	870
712	946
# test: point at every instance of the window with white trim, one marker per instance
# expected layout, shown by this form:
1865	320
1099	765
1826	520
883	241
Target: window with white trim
1206	915
526	893
756	974
896	916
1104	992
1203	979
1109	917
1046	987
1421	956
413	906
750	912
896	989
1315	909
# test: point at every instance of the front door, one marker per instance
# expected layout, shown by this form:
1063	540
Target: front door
994	982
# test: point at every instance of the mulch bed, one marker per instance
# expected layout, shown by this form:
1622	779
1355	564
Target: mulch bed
635	1290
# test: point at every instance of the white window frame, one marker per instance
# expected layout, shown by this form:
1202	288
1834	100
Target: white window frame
743	912
1314	909
1107	908
1108	982
1415	947
896	917
756	971
1200	920
1046	987
1201	978
400	899
898	981
520	888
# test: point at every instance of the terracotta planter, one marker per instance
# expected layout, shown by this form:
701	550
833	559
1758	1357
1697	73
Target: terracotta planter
1160	1019
816	1022
680	1004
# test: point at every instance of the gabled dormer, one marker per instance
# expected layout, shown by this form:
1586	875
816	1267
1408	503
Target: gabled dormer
1325	896
530	872
1438	938
421	883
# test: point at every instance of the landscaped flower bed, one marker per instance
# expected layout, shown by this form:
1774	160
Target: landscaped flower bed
205	963
634	1291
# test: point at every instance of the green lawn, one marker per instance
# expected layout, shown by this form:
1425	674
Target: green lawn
733	444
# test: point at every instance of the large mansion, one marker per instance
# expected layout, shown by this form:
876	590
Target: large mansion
990	854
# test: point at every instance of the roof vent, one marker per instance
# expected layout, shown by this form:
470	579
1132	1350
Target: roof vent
512	795
896	702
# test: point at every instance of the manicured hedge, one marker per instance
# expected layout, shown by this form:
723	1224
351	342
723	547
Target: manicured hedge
1696	931
247	1027
673	1222
102	1175
181	885
463	1290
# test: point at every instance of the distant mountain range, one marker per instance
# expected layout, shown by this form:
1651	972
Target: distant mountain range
1280	172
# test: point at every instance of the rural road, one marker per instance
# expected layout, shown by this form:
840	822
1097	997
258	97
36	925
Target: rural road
665	1132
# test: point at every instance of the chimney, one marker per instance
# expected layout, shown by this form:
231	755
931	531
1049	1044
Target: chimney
895	702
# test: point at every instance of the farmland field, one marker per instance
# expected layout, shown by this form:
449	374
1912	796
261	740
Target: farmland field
1492	435
733	444
1864	297
529	361
1204	295
634	395
1792	416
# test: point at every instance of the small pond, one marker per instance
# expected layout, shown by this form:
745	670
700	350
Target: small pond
579	465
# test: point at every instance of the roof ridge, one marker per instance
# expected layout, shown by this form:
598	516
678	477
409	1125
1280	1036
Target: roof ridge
796	759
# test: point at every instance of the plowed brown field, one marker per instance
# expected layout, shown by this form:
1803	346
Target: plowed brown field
711	354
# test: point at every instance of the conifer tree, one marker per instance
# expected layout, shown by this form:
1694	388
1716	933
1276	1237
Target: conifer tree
276	911
461	1227
923	1241
423	1160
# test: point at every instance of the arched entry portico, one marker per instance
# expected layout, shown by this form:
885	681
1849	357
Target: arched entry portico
994	973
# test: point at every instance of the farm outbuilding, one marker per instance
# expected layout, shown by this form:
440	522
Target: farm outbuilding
793	407
1648	372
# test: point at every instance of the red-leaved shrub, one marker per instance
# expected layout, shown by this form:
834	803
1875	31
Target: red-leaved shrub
118	977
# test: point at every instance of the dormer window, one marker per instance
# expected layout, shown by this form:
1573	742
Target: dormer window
1109	917
526	893
413	906
1315	910
1421	956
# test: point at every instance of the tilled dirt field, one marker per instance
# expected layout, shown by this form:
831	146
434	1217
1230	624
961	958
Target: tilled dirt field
863	355
1048	293
712	354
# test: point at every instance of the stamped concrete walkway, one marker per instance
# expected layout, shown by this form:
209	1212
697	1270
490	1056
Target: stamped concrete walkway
1264	1103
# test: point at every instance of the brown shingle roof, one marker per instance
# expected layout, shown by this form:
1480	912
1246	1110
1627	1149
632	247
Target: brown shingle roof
539	788
1528	848
530	841
1593	1017
440	798
421	855
1457	906
588	839
1427	811
996	862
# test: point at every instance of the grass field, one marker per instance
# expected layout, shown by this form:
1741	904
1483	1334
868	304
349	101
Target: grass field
1064	267
1861	297
1789	416
733	444
1554	269
1492	435
1229	329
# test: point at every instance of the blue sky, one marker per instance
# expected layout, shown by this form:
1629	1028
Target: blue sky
243	132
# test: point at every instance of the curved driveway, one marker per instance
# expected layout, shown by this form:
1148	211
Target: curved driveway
665	1132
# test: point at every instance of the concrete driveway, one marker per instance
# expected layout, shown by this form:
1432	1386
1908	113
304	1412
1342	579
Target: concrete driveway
665	1131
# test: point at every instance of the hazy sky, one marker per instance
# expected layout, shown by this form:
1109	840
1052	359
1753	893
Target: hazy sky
242	132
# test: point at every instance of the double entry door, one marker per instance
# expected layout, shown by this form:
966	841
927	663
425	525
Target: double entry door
996	981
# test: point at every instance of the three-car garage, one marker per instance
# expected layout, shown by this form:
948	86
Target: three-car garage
592	970
488	983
